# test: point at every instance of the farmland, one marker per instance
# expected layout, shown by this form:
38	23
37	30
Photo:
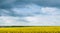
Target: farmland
30	29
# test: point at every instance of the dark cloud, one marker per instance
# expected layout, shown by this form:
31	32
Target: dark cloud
10	4
48	3
7	4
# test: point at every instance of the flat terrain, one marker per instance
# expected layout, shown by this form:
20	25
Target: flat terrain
31	29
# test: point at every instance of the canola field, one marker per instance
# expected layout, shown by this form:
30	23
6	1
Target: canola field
32	29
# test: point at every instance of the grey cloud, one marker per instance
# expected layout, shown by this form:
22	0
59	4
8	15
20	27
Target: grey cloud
47	3
11	3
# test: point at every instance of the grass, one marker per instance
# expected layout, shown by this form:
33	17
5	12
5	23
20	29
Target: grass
30	29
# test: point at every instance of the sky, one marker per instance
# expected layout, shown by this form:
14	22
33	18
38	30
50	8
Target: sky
29	12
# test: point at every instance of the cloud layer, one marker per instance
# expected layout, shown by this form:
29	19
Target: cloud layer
29	13
5	4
